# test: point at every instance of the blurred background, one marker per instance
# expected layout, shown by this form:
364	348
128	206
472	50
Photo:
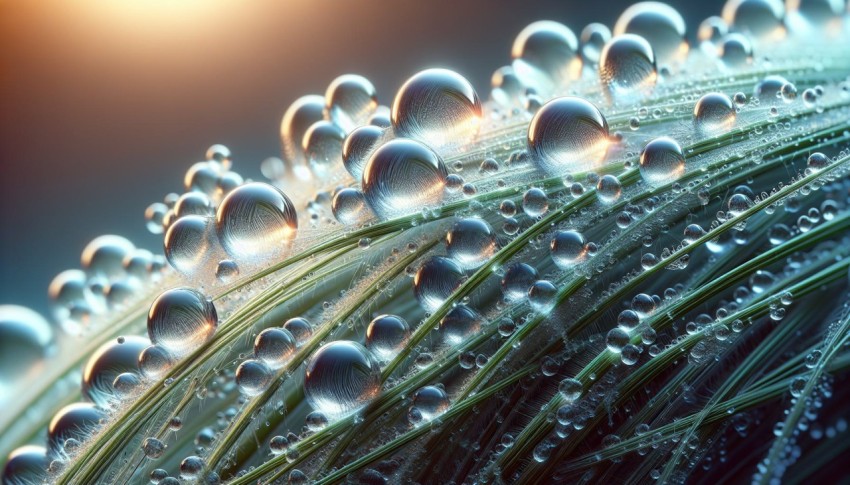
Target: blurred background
104	104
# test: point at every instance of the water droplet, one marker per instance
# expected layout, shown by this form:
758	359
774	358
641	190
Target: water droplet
570	389
470	242
817	161
299	117
431	402
153	448
154	362
104	256
762	19
227	271
350	100
616	339
402	177
181	320
460	323
300	328
738	204
274	347
435	281
542	296
104	366
26	465
341	377
568	134
661	26
349	206
714	114
154	215
74	421
507	87
769	89
322	145
568	248
593	38
517	280
437	106
545	55
386	336
191	467
662	161
358	147
736	51
609	189
256	220
187	243
25	340
627	68
253	377
535	203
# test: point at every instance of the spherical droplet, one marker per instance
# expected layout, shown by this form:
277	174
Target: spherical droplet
358	147
460	323
541	296
714	114
349	206
187	243
609	189
106	363
153	448
431	402
517	280
662	161
736	50
25	340
299	117
341	377
661	26
402	177
300	328
570	389
386	336
104	256
568	134
349	101
568	248
627	68
507	90
155	361
817	161
545	55
616	339
191	467
439	107
762	19
256	220
322	145
253	377
535	202
274	347
593	38
75	421
470	242
435	281
181	320
26	465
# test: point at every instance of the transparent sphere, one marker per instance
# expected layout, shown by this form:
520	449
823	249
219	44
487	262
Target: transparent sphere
768	90
75	421
193	204
274	347
68	293
808	15
431	402
507	89
299	117
470	242
25	340
358	147
256	220
593	38
108	362
226	271
341	377
714	114
104	256
187	243
627	68
609	189
322	145
761	19
535	202
154	215
542	296
182	320
300	328
460	323
712	30
616	339
386	336
736	50
201	177
273	168
155	361
545	55
517	280
350	100
349	206
26	465
253	377
435	281
660	24
220	154
662	161
191	467
568	248
568	134
439	107
403	176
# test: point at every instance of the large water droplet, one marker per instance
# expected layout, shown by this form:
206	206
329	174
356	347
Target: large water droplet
507	90
517	280
736	51
661	26
568	248
386	336
431	402
545	55
439	107
322	146
593	38
256	220
349	206
75	421
187	243
627	68
568	134
299	117
714	114
470	242
104	256
26	465
106	363
762	19
253	377
403	176
181	320
459	323
274	347
25	339
70	296
349	100
435	281
768	90
662	161
341	377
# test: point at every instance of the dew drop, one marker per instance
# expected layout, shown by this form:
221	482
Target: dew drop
358	147
435	281
545	55
470	242
460	323
661	26
627	68
386	336
568	134
350	100
274	347
341	377
256	220
182	320
253	377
